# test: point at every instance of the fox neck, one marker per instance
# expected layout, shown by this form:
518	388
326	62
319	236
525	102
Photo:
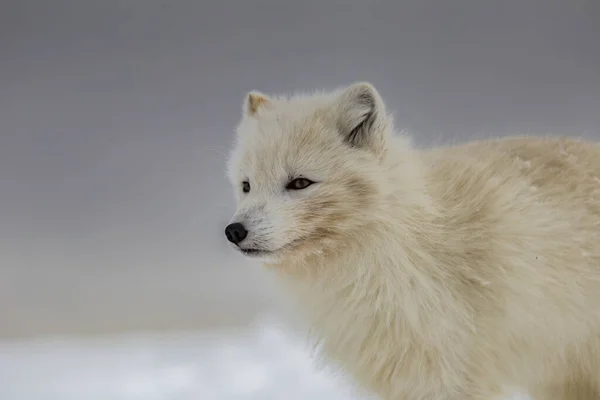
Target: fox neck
381	304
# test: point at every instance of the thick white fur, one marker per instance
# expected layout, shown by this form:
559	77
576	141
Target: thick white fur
450	273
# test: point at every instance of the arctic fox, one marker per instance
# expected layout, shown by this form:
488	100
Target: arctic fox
457	272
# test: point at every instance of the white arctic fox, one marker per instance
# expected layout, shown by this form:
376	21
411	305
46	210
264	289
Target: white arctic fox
451	273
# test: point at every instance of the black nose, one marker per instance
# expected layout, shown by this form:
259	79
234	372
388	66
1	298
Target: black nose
236	232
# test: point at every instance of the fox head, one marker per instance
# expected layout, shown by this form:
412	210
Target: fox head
308	171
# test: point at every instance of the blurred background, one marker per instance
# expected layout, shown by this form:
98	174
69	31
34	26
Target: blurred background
116	117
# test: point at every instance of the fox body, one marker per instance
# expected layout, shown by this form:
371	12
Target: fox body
456	272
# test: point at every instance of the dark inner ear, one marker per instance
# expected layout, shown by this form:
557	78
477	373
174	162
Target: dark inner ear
359	135
364	103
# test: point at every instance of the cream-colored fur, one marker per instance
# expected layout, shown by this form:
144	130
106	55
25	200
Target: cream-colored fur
451	273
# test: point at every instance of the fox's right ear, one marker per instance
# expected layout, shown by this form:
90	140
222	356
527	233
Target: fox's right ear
254	102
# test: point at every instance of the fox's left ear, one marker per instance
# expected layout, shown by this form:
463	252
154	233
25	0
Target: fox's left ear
362	117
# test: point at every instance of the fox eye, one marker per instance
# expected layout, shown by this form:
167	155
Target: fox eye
245	186
299	184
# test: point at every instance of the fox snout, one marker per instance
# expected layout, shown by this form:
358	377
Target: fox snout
236	232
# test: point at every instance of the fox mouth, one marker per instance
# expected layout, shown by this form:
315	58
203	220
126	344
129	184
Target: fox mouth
255	252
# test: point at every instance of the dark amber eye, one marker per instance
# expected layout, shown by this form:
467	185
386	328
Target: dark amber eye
299	184
245	186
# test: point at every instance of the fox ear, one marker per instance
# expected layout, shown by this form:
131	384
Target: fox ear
361	117
254	102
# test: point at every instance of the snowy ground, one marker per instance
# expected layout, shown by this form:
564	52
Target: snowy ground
264	362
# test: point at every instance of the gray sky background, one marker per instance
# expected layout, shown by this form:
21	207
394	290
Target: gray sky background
116	116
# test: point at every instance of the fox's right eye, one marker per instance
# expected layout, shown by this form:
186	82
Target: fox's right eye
245	186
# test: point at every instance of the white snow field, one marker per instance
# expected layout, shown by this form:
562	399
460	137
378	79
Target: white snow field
262	362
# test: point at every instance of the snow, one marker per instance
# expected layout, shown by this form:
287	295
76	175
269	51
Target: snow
263	362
